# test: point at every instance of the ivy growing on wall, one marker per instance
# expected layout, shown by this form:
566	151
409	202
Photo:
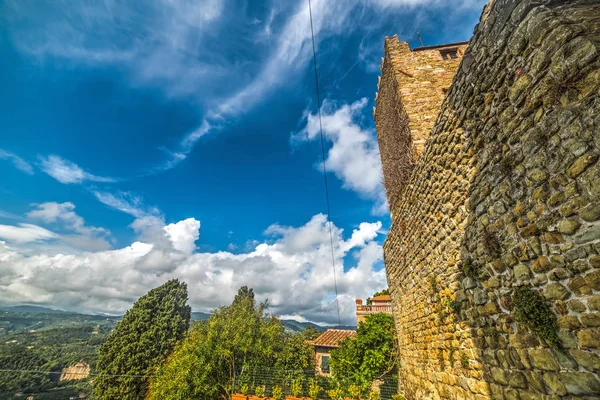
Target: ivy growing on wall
531	310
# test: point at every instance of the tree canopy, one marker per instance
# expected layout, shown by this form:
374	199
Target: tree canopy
369	355
141	341
234	342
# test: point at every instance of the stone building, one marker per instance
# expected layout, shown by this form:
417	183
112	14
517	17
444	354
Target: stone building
327	341
375	305
493	182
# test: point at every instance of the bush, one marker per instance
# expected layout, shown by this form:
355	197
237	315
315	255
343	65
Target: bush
278	393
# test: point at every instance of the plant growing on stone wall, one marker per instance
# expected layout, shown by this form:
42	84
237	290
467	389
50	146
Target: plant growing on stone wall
491	244
441	359
470	268
451	351
464	360
531	310
398	397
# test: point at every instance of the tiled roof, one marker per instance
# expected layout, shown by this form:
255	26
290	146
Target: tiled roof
332	337
383	297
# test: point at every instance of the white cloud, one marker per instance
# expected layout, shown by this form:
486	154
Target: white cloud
89	238
184	234
17	161
354	153
67	172
294	271
126	202
24	233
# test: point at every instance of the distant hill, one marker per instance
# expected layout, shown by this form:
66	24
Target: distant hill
33	309
21	318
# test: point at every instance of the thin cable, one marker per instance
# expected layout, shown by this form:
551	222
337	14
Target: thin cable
312	33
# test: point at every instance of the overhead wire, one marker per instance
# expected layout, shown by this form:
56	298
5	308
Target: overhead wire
329	222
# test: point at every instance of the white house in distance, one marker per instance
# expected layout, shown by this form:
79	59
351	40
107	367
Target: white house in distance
375	305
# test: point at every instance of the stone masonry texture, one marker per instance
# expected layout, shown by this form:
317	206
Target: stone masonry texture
504	193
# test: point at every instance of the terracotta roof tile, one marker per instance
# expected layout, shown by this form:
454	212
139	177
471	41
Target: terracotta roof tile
383	297
332	337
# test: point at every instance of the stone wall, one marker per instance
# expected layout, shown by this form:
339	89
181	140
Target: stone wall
493	257
412	86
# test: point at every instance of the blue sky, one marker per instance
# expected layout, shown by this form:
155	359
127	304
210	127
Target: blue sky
175	138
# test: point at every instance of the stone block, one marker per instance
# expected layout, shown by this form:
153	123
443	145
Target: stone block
543	359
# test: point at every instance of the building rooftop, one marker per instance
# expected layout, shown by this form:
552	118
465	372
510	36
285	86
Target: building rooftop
332	337
383	297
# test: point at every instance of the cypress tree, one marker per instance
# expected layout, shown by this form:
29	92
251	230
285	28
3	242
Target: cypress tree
147	334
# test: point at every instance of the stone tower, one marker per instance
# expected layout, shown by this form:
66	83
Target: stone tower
412	88
490	156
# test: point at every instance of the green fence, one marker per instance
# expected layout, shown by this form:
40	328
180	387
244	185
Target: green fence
267	382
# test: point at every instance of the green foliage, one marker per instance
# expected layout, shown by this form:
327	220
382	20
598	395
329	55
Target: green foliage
336	393
48	350
354	391
464	360
374	395
244	388
398	397
260	390
369	355
139	343
313	389
441	359
233	346
278	393
471	268
531	310
297	387
452	350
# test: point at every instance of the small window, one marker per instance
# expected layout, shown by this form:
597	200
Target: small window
449	54
325	364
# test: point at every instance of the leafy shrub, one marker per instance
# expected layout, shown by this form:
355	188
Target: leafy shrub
374	395
244	388
354	391
336	394
313	389
259	391
277	392
297	387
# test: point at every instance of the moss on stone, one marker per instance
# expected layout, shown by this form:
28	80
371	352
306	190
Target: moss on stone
531	310
471	268
464	360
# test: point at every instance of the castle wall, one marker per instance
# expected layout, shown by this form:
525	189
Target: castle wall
413	87
500	215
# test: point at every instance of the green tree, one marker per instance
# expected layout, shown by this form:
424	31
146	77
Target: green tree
369	355
234	343
141	341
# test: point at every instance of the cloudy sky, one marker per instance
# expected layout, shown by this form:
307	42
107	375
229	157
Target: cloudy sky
144	141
